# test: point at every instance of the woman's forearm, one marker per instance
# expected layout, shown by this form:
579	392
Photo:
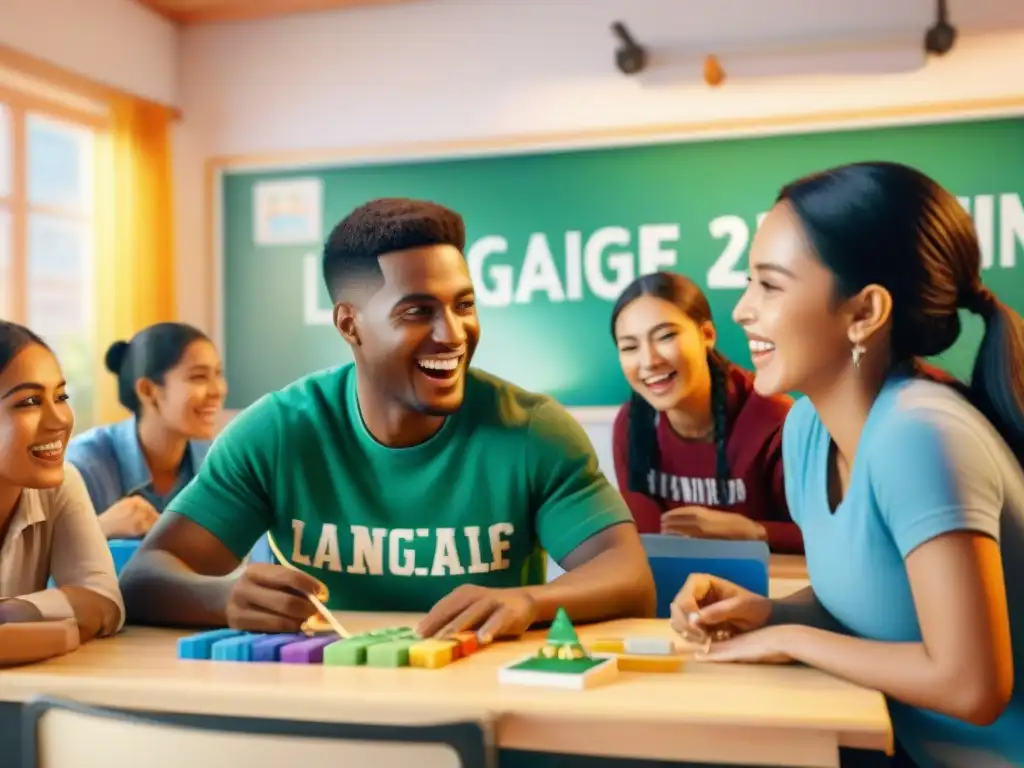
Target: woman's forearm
902	671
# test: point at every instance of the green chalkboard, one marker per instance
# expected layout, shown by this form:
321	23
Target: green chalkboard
555	235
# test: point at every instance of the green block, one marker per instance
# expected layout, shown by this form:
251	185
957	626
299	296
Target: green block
557	666
394	653
350	652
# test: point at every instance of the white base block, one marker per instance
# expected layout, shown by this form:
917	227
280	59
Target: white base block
604	672
649	646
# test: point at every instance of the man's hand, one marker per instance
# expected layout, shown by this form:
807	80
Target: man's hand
493	613
704	523
271	598
130	518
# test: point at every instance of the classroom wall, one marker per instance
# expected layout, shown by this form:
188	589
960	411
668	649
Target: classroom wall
118	43
449	70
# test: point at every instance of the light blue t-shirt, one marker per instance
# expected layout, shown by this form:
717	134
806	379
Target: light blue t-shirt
928	463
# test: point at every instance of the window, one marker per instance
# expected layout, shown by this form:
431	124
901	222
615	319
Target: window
47	234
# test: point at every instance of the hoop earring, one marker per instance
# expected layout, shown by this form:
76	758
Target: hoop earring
857	353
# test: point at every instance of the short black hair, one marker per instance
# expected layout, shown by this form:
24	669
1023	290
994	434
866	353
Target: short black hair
383	226
150	354
13	339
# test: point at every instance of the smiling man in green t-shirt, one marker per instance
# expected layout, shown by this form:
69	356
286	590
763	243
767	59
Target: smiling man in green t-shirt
405	482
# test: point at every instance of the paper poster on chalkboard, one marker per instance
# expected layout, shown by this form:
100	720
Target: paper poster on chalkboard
288	212
554	236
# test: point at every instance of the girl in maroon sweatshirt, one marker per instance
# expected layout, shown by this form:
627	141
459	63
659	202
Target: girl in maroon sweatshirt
697	452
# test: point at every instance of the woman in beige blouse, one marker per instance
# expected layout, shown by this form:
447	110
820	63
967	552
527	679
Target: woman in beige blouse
48	526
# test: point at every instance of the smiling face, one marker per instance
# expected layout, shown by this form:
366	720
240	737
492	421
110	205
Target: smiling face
35	420
190	398
416	335
799	339
664	353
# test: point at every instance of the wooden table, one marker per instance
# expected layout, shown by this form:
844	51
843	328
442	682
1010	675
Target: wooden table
753	715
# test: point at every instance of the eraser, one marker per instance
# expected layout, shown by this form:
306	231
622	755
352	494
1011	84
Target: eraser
268	648
237	648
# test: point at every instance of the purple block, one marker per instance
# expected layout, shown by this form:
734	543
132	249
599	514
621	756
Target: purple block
307	651
268	648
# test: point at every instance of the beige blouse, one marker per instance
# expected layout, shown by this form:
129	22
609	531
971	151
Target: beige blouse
55	533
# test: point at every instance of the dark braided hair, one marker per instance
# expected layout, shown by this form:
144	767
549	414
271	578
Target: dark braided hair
642	434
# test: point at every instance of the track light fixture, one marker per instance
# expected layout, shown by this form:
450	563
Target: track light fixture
630	56
941	36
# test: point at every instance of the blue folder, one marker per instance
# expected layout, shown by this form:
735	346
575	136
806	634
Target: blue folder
674	558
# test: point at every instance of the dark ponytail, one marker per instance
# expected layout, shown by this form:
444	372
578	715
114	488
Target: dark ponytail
150	354
642	431
890	225
997	381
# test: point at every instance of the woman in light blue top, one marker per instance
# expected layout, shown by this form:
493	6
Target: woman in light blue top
171	378
906	485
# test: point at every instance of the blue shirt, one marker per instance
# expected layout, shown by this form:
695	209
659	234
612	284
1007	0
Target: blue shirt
927	464
110	461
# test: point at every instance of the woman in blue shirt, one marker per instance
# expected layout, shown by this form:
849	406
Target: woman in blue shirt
906	484
171	378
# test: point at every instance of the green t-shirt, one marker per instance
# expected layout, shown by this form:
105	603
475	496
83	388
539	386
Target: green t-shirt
509	476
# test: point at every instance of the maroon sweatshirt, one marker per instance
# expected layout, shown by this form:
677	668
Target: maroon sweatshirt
687	473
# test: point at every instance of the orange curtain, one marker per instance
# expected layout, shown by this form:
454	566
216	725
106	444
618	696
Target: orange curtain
135	250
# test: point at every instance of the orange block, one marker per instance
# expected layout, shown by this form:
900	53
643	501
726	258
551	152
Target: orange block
467	643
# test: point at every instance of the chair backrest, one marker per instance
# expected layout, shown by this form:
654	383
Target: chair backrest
674	558
65	734
122	550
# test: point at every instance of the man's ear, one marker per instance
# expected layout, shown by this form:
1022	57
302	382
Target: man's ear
345	322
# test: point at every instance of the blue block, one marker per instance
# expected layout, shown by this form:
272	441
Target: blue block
269	648
238	648
199	646
122	550
674	558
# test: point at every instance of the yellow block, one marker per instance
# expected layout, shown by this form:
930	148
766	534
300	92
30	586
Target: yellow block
608	645
432	654
634	663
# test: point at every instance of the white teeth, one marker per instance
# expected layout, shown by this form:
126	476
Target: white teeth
47	447
658	379
439	363
756	345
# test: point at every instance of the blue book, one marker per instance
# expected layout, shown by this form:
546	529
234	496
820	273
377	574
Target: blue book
674	558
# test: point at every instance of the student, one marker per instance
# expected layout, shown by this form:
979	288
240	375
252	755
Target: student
697	451
170	377
908	491
48	526
406	481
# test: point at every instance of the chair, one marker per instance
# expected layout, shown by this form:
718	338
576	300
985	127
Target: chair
674	558
122	551
65	734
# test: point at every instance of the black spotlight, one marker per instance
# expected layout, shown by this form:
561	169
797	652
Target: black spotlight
941	36
630	57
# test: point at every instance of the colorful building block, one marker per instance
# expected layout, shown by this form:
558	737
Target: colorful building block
350	652
432	654
467	643
200	646
268	647
390	653
238	648
650	646
649	664
608	645
309	651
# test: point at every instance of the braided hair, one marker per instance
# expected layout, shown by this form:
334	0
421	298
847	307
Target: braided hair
642	431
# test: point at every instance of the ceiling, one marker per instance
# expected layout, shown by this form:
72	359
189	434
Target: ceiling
202	11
